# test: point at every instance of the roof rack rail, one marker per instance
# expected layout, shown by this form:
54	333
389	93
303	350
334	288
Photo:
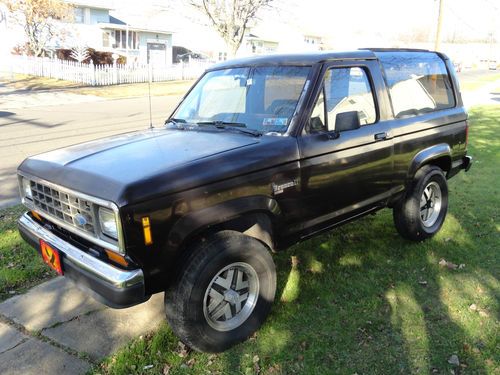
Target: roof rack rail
396	49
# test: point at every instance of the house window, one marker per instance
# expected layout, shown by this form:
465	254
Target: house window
122	40
78	12
223	56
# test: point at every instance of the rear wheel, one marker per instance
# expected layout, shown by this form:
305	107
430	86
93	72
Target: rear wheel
224	292
421	213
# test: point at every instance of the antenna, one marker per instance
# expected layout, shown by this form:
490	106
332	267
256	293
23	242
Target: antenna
149	96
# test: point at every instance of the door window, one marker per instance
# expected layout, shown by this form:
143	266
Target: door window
344	90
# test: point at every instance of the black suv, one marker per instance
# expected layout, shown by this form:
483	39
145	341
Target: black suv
261	153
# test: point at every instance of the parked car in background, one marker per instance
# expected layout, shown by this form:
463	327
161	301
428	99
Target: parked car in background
262	152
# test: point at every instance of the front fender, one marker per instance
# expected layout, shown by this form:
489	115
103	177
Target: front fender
196	221
440	152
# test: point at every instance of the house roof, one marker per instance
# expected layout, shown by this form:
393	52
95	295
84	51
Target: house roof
255	37
137	22
95	4
124	26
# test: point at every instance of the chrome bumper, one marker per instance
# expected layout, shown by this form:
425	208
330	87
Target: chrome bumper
110	285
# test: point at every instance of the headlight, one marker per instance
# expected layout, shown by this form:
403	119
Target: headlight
107	221
26	188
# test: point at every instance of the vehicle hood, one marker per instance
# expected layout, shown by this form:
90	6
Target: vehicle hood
135	166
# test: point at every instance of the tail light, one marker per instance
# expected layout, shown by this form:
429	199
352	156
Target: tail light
466	133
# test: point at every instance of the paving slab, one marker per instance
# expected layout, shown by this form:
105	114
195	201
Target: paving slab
35	357
10	338
101	333
52	302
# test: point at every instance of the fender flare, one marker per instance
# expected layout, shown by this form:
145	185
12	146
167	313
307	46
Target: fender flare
196	221
427	155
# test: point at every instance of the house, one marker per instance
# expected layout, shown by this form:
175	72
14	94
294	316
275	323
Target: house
93	26
313	43
254	45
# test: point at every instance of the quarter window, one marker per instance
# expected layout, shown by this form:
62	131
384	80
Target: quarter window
418	82
344	90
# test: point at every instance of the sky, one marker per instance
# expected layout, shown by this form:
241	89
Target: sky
473	19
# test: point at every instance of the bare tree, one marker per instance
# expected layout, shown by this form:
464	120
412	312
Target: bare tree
230	18
37	18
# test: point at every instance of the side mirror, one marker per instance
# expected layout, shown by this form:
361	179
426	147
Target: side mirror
347	121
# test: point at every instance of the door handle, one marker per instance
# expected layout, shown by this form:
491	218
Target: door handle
381	136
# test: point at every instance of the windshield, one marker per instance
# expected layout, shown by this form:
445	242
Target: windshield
259	98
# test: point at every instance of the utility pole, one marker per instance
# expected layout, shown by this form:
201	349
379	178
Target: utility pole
437	43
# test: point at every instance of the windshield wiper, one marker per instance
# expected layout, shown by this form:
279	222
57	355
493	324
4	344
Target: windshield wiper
223	124
178	123
238	126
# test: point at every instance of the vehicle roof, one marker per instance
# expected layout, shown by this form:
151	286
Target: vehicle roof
309	58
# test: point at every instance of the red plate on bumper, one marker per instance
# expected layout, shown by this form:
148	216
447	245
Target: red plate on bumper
51	257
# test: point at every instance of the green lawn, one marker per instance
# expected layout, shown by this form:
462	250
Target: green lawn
20	265
361	300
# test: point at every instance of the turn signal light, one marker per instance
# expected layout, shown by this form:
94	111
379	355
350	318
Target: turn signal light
117	258
146	227
36	216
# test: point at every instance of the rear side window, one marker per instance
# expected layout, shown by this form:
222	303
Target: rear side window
418	82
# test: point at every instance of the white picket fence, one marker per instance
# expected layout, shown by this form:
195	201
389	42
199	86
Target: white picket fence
101	75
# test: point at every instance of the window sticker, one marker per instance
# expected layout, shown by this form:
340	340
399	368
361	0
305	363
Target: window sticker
275	121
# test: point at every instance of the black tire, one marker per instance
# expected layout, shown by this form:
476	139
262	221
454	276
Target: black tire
186	300
407	212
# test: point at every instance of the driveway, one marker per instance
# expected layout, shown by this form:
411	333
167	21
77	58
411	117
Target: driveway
58	122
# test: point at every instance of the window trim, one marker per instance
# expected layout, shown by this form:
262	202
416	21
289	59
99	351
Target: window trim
324	70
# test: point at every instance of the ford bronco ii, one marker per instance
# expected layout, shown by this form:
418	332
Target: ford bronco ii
261	153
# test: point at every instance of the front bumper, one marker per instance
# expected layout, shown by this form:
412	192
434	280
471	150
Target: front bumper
110	285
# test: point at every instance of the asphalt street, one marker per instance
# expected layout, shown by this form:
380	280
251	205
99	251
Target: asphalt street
40	128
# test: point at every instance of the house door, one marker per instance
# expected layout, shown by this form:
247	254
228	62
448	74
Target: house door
157	53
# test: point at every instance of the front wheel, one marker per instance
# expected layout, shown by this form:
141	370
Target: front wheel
224	292
421	213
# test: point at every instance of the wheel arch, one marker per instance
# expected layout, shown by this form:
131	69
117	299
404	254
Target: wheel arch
253	216
439	155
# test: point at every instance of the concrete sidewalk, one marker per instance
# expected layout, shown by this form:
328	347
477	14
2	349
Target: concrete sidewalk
57	329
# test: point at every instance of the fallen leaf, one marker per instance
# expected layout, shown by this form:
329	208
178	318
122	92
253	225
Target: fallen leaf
444	263
483	313
191	362
473	307
453	360
256	358
166	369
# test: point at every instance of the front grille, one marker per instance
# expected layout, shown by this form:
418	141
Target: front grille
66	207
